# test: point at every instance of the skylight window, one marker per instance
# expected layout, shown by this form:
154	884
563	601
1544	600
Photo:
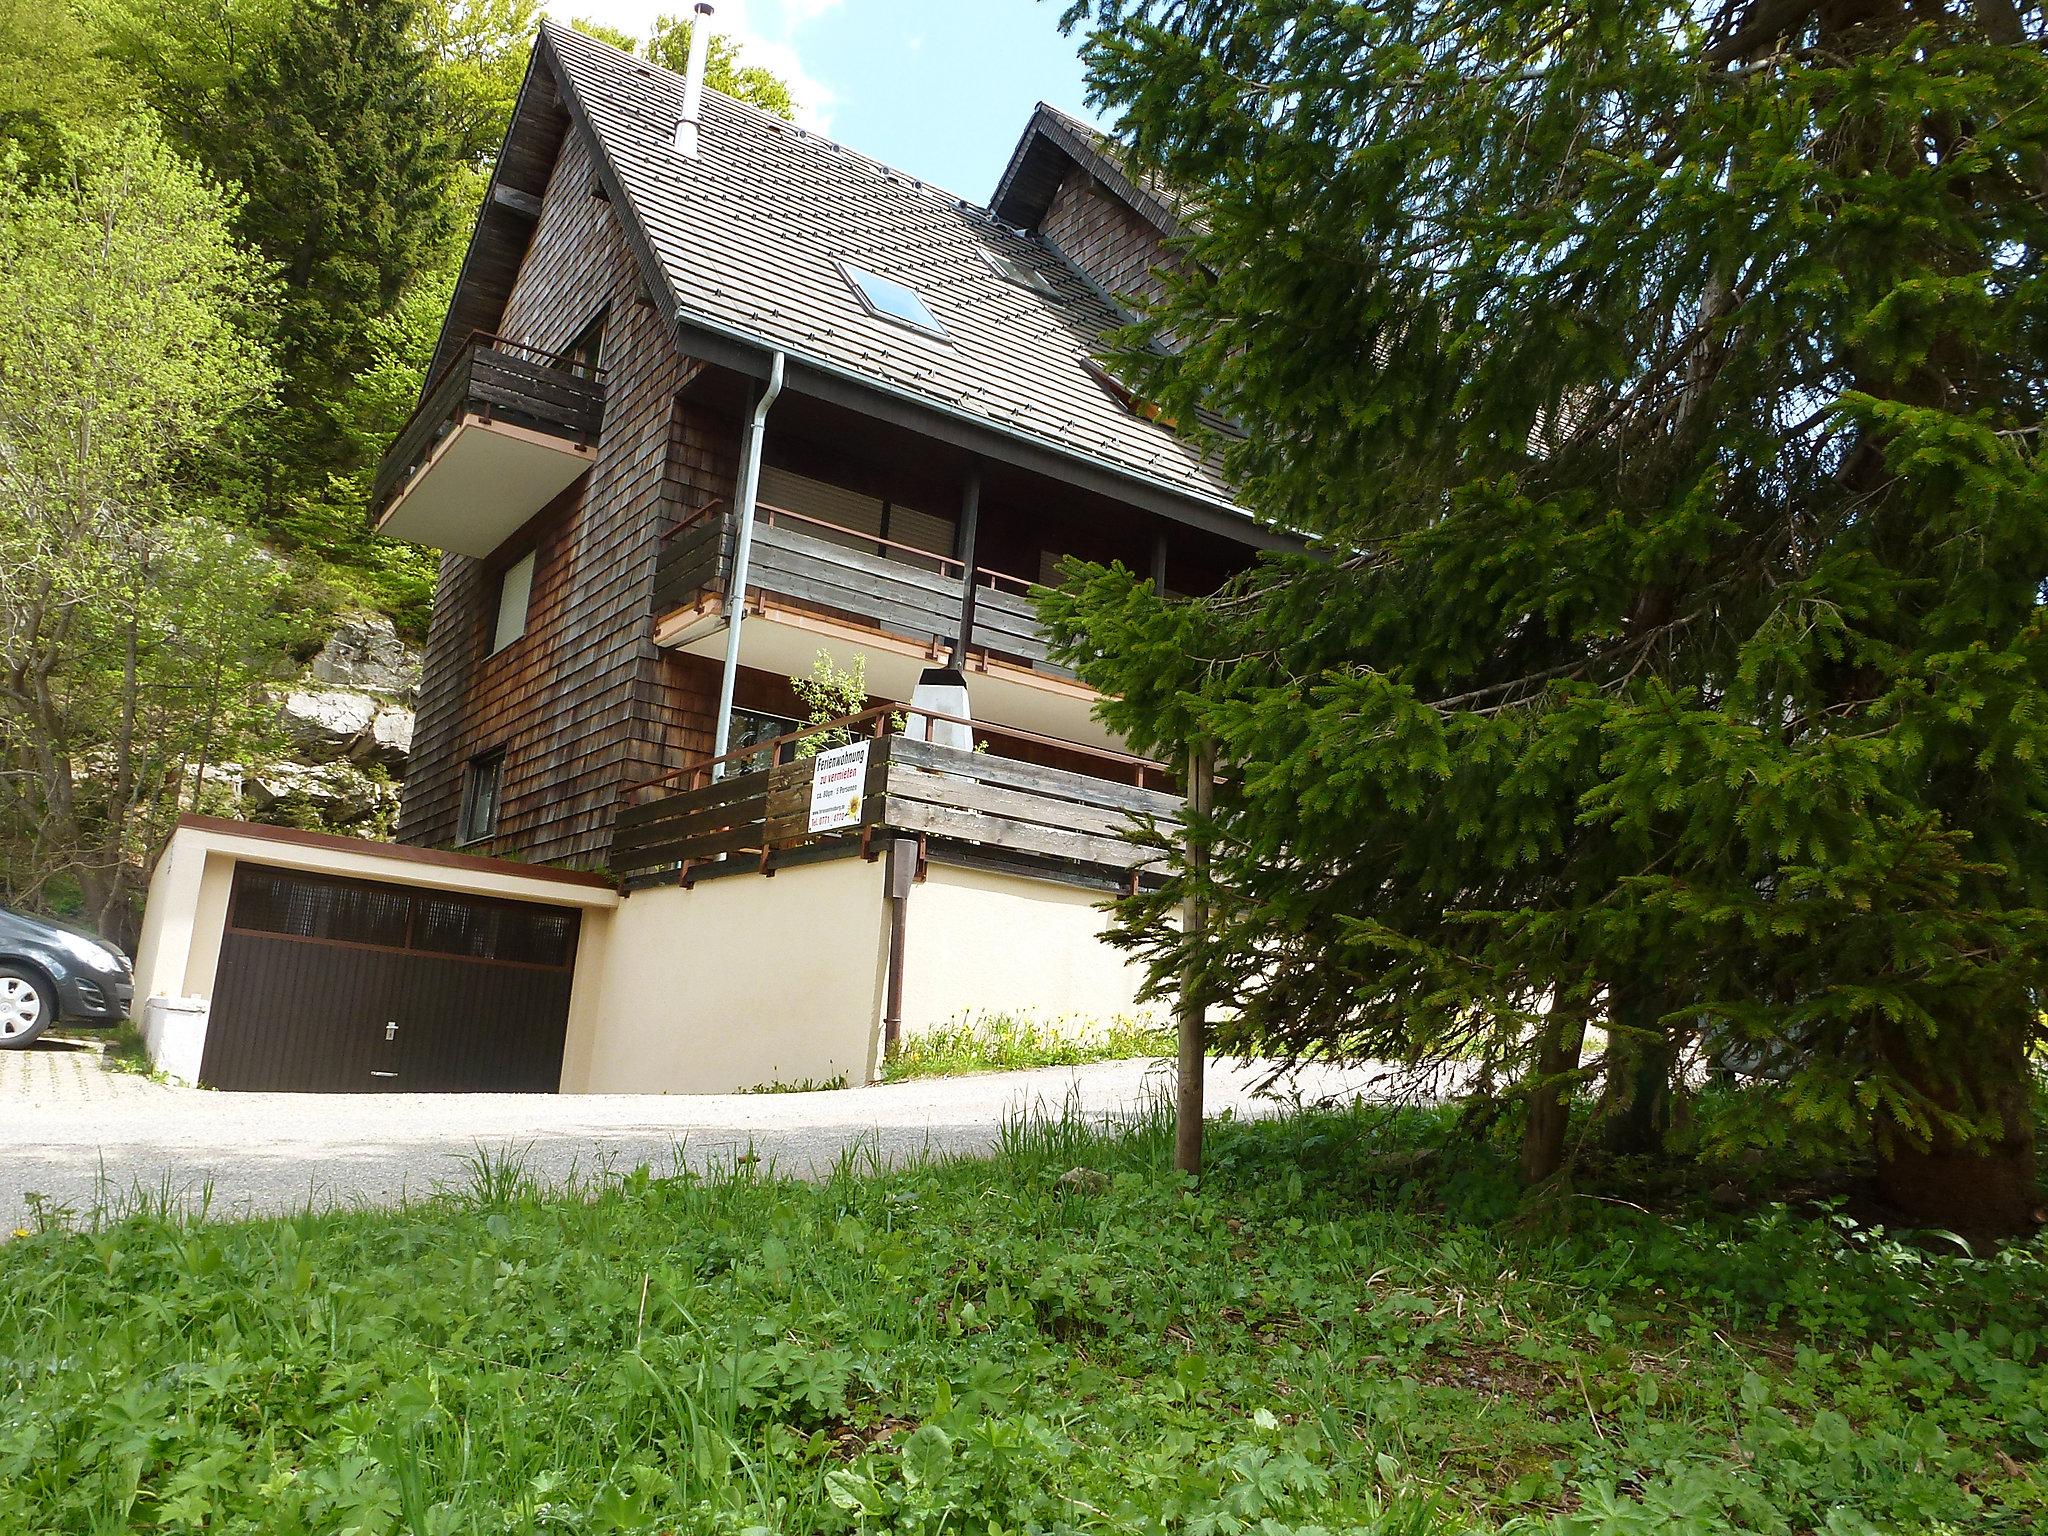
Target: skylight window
891	300
1022	273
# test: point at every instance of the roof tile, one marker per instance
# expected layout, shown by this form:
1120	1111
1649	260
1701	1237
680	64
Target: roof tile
750	233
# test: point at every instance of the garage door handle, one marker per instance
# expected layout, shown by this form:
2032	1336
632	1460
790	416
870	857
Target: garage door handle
383	1074
391	1030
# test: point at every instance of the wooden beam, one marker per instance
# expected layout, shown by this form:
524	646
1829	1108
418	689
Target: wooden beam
963	551
525	204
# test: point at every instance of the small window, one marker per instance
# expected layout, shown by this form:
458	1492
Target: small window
515	595
750	728
585	355
891	300
487	930
1022	273
308	907
480	796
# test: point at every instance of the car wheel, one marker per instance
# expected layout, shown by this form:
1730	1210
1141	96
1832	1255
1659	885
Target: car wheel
28	1006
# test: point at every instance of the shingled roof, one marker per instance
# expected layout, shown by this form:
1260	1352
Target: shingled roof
1052	144
748	237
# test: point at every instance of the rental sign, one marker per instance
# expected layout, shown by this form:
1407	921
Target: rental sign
838	779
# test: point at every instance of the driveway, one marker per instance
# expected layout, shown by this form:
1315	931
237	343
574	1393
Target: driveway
85	1140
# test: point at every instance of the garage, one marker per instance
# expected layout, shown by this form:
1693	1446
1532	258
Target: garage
327	984
278	959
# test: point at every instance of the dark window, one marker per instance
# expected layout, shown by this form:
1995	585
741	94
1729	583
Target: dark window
356	912
752	727
309	908
480	796
484	930
891	300
585	355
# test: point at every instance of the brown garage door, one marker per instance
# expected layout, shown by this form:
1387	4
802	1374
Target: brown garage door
348	986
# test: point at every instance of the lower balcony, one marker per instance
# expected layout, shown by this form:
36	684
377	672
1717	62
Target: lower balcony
813	585
501	432
1061	823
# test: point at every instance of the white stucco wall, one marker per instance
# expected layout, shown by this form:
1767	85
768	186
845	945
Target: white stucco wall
163	953
739	982
981	942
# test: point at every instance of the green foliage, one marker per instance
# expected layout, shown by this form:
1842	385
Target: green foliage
1003	1042
134	628
1299	1345
1665	404
827	694
330	129
801	1085
668	44
477	51
54	79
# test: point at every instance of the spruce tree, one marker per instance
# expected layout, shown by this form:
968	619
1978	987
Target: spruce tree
330	126
1662	389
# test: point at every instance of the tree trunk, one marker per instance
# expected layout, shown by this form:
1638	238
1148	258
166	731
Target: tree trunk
1193	1011
1563	1037
1992	1188
1636	1103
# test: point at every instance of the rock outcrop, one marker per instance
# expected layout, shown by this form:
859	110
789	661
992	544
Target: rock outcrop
388	741
364	653
335	797
327	724
345	732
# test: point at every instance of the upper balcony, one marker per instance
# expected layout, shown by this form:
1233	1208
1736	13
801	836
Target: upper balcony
815	585
503	431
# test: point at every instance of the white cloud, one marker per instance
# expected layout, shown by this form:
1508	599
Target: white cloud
764	29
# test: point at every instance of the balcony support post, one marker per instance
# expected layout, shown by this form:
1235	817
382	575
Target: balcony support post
970	527
905	863
743	546
1159	564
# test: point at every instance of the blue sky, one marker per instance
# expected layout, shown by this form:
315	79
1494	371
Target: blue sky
938	88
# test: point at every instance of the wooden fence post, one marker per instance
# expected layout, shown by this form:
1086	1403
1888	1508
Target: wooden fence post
1194	1029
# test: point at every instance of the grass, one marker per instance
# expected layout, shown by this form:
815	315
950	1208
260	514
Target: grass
1330	1334
1003	1042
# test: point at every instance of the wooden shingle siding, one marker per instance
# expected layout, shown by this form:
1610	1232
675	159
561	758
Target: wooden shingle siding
583	700
1106	239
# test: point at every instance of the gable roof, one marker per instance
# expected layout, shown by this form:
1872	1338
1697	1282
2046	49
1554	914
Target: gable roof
746	241
1054	144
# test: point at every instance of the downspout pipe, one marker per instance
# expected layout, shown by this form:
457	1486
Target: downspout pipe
743	549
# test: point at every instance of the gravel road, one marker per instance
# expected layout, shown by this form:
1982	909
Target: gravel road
84	1139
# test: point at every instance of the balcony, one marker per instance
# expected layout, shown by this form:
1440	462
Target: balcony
1059	822
501	432
813	585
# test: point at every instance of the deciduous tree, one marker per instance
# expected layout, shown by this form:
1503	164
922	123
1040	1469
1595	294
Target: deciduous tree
130	625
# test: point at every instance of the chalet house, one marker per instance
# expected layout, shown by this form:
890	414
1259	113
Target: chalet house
716	395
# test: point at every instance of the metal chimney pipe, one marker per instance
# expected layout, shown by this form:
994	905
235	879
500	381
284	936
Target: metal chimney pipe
693	82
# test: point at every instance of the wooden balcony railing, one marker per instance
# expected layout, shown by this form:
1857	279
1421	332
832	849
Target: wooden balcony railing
671	827
898	588
496	380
